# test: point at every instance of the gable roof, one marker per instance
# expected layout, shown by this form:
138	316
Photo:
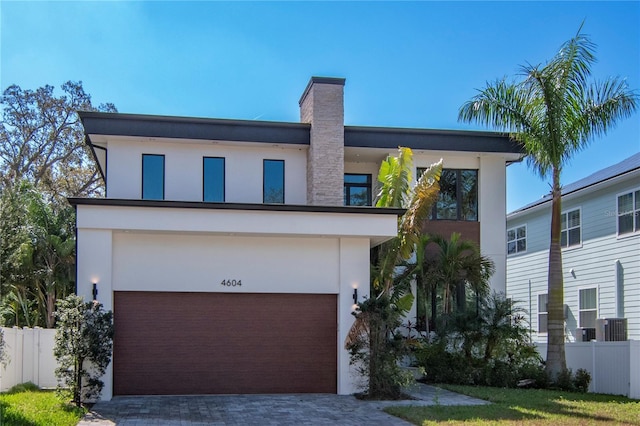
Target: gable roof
625	166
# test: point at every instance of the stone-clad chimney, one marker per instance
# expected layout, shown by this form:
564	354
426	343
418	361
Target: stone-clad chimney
322	105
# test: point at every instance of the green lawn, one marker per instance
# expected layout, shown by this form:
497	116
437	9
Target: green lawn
27	406
527	407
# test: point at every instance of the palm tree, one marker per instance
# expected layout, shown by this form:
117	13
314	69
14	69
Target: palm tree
450	266
554	113
372	340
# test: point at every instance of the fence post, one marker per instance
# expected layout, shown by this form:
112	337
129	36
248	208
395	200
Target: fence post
594	366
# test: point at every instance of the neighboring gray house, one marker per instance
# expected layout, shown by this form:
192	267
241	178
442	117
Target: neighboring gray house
601	255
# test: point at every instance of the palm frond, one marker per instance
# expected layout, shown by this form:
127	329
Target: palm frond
500	105
358	330
395	177
603	105
425	193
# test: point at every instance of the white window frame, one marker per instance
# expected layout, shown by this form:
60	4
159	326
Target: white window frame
546	312
566	213
515	229
580	289
636	213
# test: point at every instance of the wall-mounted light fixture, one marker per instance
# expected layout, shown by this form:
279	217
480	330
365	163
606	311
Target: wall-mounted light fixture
95	291
355	295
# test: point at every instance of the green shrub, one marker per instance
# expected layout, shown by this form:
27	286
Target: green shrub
486	344
83	345
537	373
23	387
581	380
564	380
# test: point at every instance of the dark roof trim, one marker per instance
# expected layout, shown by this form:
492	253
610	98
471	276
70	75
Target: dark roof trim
233	206
428	139
102	123
95	157
105	123
320	80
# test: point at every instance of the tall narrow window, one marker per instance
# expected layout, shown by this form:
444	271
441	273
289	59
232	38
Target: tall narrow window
542	313
447	203
213	179
629	213
273	182
357	189
458	197
570	225
152	177
517	240
588	307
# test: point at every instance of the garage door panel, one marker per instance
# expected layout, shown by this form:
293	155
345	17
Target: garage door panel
190	343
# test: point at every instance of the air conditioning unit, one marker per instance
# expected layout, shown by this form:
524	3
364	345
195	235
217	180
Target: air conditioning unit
585	334
611	329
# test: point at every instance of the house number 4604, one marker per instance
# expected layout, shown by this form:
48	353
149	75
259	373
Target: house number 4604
231	283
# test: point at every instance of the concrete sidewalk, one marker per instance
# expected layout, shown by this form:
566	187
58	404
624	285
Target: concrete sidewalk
286	410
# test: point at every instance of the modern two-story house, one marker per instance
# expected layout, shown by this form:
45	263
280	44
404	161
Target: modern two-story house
600	256
232	252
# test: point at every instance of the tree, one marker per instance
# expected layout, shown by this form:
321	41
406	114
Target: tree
37	255
373	341
42	140
450	266
84	340
554	112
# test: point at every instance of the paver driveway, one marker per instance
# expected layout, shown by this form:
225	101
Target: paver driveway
286	410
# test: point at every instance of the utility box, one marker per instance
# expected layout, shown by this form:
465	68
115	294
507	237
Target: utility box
611	329
585	334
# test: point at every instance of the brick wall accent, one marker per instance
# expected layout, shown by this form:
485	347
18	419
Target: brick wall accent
322	105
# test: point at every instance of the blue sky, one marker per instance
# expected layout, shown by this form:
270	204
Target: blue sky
407	64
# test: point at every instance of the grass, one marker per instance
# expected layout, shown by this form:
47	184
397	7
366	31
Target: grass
527	407
26	405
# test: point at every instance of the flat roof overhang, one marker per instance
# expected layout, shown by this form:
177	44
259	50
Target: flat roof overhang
430	139
376	224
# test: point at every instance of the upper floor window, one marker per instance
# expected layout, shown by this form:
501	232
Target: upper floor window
517	240
273	182
458	197
570	228
213	179
543	313
357	189
588	311
629	212
152	177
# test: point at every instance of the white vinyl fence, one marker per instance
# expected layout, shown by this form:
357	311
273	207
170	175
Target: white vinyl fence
30	357
614	366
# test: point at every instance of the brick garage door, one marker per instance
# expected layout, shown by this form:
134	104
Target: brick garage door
220	343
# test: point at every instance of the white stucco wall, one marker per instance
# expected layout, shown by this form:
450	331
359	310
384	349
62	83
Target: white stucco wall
183	169
493	216
199	263
176	249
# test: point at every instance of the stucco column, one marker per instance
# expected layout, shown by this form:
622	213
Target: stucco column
492	198
94	262
354	274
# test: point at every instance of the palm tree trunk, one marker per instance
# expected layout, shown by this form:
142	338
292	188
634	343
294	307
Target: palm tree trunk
51	307
434	303
556	361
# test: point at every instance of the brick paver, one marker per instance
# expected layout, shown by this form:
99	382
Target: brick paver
284	410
